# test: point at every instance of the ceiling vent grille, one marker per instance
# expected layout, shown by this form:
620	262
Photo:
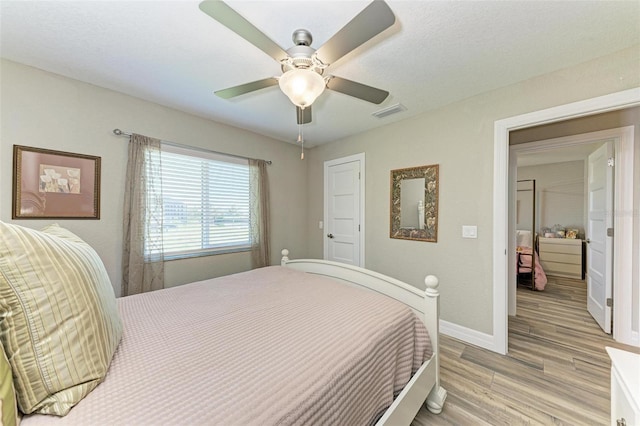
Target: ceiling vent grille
393	109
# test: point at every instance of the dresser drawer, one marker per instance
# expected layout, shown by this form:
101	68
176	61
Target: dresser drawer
562	269
575	259
622	409
625	387
561	248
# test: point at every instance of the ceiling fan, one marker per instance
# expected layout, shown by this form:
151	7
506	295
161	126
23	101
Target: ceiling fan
303	66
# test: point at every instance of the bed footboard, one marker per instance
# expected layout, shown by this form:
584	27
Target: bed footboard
424	386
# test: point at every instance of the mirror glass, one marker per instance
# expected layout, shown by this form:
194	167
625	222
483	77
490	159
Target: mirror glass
414	203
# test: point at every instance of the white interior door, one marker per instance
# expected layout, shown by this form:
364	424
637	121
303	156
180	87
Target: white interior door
343	211
599	245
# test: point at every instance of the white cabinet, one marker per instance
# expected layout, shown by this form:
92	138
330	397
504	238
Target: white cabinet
561	256
625	387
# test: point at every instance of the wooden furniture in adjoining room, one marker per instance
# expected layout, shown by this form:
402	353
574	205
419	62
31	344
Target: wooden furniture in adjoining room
625	387
561	257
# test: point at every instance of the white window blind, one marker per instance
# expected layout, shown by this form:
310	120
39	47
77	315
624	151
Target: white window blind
205	202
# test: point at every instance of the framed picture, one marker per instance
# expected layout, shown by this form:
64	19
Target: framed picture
54	184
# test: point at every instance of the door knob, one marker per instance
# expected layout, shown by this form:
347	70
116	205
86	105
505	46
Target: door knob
330	235
587	241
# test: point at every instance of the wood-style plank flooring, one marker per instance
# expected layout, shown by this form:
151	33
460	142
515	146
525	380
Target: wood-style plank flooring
557	371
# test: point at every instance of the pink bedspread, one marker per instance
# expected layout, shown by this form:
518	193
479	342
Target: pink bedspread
524	265
273	346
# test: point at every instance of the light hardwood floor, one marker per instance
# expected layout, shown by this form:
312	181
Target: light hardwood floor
556	372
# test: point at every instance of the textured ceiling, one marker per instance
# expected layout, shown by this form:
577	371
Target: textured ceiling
437	52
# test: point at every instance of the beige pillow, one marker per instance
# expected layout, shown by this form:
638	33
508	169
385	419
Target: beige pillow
8	411
60	323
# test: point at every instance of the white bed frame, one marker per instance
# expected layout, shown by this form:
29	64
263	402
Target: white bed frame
424	386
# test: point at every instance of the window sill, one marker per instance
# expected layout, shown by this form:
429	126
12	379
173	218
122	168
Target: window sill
172	257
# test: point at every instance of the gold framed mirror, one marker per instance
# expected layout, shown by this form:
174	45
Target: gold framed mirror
414	203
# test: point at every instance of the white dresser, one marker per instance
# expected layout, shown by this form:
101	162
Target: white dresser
561	256
625	387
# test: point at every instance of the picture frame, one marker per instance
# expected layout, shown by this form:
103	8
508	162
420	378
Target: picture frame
414	203
50	184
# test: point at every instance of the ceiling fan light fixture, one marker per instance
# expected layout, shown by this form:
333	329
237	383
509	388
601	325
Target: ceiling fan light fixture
302	86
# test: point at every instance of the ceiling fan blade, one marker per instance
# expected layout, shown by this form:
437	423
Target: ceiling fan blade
303	116
373	19
231	19
232	92
357	90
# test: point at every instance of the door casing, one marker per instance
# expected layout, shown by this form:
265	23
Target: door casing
615	101
623	195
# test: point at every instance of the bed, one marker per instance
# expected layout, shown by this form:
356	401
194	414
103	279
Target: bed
528	267
528	261
289	344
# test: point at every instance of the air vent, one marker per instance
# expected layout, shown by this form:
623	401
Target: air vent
389	110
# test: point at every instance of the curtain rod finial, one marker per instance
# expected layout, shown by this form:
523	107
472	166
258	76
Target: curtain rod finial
117	132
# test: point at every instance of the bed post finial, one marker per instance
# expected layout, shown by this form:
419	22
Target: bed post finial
432	283
285	256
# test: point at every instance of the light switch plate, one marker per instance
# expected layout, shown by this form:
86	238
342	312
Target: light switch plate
320	225
469	231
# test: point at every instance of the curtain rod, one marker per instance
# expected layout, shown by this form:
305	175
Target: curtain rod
119	132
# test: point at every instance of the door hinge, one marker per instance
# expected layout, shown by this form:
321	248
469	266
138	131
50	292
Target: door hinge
358	175
358	228
611	162
609	302
609	232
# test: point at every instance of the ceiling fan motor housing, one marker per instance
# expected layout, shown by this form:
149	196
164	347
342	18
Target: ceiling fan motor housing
302	37
301	55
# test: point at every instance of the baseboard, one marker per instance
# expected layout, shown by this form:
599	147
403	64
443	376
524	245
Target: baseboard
468	335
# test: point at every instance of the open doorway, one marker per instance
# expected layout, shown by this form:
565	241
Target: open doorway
585	186
626	100
563	203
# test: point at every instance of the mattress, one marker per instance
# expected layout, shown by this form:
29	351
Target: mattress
272	346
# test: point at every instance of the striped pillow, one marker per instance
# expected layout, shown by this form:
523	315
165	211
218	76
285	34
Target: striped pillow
8	414
59	322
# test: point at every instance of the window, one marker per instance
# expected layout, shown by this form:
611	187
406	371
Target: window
205	203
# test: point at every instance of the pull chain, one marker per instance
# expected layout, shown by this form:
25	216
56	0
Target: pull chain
301	133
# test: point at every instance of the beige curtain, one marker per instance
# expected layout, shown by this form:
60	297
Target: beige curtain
259	214
142	257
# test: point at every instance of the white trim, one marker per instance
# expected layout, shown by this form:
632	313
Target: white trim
500	245
566	141
623	239
467	335
622	266
619	100
356	157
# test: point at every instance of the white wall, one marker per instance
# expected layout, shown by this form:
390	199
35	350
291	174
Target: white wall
559	195
45	110
459	137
